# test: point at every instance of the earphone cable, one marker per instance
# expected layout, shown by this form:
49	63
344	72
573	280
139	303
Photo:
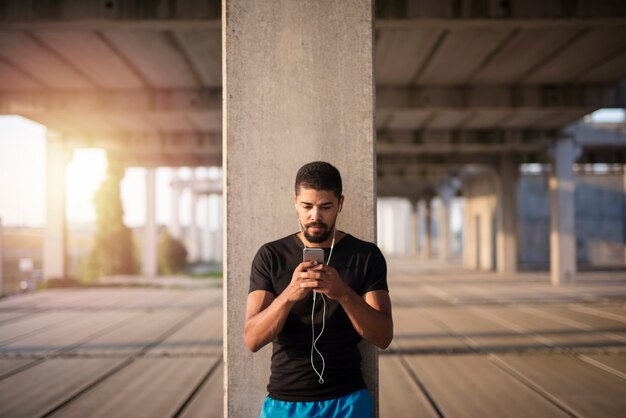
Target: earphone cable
314	339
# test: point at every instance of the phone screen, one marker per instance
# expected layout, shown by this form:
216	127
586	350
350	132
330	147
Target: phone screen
310	254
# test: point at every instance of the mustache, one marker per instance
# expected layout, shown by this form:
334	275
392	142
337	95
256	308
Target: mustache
316	224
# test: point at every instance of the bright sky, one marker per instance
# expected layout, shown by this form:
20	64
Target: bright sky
22	179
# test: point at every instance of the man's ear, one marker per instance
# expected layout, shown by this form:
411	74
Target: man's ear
340	203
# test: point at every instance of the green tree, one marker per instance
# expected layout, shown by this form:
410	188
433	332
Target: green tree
172	254
113	251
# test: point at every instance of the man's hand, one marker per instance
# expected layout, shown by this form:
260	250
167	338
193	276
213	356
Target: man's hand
370	314
296	291
266	313
326	280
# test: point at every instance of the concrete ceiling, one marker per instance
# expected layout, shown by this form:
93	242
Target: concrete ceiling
123	74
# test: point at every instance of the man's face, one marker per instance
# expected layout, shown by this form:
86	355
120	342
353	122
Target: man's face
317	212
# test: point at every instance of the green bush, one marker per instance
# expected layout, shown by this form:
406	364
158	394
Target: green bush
172	254
113	250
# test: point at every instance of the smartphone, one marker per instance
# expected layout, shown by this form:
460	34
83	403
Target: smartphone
310	254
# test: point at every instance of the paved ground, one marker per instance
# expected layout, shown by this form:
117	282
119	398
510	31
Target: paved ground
466	345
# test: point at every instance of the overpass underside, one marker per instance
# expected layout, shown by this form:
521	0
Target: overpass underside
465	93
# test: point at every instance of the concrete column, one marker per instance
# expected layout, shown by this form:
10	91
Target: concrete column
446	193
506	241
298	87
415	250
206	236
428	227
219	241
150	245
1	259
193	242
176	192
483	213
469	228
488	230
563	222
55	236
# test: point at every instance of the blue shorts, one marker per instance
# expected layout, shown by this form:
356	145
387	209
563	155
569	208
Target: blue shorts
354	405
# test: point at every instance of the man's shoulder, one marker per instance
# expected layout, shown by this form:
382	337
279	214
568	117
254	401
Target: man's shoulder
353	241
281	243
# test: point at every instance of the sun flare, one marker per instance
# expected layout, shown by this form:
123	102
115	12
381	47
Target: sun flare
85	173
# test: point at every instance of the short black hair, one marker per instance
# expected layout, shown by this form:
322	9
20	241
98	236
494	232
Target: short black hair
319	175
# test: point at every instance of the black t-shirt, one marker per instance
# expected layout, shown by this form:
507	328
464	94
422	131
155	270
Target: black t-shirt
362	266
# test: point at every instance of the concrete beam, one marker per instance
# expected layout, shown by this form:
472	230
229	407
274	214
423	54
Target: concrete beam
465	142
113	102
528	98
199	186
403	162
390	14
588	135
177	149
166	160
584	97
406	13
175	143
410	189
98	15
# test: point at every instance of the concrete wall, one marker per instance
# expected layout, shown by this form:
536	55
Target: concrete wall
600	220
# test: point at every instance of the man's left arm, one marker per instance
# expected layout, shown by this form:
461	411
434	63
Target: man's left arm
370	314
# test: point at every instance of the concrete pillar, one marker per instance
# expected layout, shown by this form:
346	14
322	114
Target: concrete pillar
415	250
176	192
1	259
446	193
506	183
563	221
219	232
193	241
488	229
206	237
469	228
428	227
150	245
55	236
298	87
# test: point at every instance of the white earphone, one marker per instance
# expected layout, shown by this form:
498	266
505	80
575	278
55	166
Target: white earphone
314	339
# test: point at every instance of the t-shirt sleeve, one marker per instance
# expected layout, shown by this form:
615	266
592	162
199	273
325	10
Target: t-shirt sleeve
261	273
376	272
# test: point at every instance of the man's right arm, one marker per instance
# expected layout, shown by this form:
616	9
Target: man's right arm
266	313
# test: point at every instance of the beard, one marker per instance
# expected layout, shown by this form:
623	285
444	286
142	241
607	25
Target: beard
319	237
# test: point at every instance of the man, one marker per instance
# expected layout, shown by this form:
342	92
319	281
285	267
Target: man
316	363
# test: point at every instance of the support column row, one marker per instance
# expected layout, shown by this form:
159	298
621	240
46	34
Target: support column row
490	219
